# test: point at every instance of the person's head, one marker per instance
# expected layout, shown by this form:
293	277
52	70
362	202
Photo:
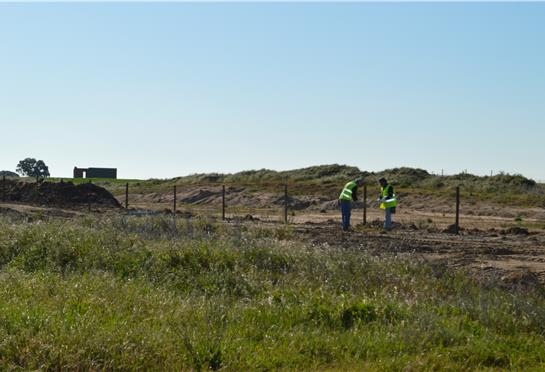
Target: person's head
383	182
359	181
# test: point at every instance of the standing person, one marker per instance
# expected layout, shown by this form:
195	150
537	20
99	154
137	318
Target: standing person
388	202
348	195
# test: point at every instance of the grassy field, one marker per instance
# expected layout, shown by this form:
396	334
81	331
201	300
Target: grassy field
153	293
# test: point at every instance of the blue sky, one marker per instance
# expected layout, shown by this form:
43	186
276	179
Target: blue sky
162	90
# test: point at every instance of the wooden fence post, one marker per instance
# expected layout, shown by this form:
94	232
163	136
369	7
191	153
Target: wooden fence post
457	222
174	201
286	203
127	196
223	202
365	204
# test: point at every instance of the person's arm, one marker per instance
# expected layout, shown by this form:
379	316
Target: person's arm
355	193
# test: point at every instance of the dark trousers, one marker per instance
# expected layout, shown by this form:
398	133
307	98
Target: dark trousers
346	206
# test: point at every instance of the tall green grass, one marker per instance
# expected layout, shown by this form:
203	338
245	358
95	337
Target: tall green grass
155	293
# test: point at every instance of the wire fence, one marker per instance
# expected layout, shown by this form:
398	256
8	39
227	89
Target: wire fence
293	203
218	200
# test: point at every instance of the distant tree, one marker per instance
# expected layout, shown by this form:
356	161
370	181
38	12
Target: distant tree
8	173
33	168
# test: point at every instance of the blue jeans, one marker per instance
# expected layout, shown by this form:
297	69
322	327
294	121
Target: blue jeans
387	218
346	206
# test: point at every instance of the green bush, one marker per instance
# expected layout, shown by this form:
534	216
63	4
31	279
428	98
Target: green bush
364	312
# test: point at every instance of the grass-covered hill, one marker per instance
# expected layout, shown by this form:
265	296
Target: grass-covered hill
334	176
326	180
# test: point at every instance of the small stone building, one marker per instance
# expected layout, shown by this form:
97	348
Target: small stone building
95	172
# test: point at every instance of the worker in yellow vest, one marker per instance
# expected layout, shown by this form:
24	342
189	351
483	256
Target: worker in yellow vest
348	195
388	202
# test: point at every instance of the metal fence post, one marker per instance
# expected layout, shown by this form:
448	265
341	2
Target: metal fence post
286	203
457	223
127	196
365	204
223	202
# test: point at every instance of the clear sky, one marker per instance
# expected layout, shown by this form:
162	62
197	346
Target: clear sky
162	90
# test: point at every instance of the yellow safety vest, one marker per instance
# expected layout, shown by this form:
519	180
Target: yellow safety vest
346	194
389	203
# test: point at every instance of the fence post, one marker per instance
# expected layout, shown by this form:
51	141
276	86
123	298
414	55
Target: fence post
365	204
223	202
457	223
286	203
4	188
174	201
127	196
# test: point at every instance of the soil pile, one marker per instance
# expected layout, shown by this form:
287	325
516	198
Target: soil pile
515	231
451	229
64	194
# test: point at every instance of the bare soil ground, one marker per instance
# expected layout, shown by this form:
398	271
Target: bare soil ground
510	256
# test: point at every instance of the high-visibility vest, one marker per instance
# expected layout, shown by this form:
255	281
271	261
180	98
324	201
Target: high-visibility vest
346	194
389	203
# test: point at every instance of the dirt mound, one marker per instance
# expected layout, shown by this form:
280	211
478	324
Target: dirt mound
208	195
246	218
515	231
239	196
298	203
379	224
521	278
451	229
201	197
63	194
